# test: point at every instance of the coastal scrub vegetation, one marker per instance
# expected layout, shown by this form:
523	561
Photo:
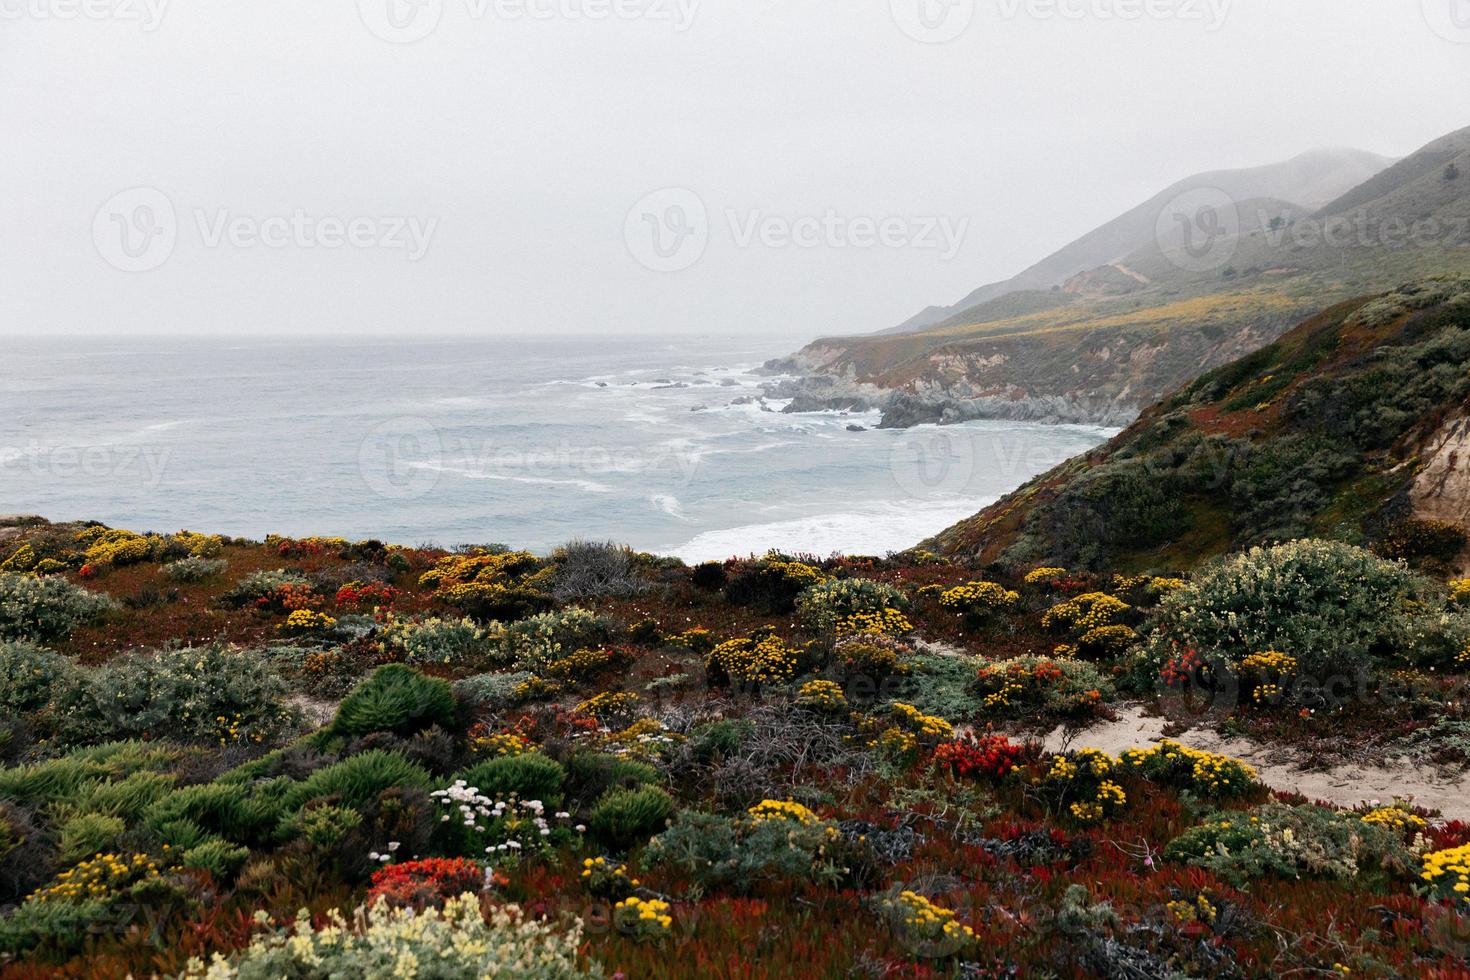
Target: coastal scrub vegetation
315	757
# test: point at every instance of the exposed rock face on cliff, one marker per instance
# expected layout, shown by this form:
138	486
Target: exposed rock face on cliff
1354	424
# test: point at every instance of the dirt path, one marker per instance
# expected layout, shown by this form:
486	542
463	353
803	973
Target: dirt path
1341	785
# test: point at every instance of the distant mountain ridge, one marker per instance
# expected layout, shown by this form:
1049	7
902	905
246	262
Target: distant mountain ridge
1350	425
1215	278
1309	181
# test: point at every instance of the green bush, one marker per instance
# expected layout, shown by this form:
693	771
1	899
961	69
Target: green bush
624	817
195	569
358	781
183	694
770	584
87	834
826	604
491	691
534	643
1337	609
263	585
46	609
50	781
395	699
743	853
1293	842
438	641
530	776
591	774
31	677
187	816
219	857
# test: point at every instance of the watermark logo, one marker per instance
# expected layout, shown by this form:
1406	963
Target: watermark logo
668	230
929	463
136	230
148	14
401	21
671	229
407	21
933	21
1199	230
401	458
1450	19
1211	13
142	465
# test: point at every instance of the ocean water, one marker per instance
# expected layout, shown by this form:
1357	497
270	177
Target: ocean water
530	442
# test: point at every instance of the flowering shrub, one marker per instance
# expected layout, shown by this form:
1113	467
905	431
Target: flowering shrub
485	742
1292	842
826	605
459	940
1265	678
884	622
783	810
1448	874
46	609
643	919
990	757
505	828
978	602
436	641
1333	607
1056	687
1045	576
419	884
744	852
605	879
752	662
608	706
1398	818
586	664
534	643
360	594
307	621
929	927
697	639
194	569
1205	774
103	892
914	721
770	584
106	547
212	695
270	590
1086	613
872	658
479	566
822	696
31	677
1084	782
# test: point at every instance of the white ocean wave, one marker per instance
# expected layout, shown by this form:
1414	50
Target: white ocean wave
869	529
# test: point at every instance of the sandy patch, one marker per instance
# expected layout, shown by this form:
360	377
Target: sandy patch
1344	785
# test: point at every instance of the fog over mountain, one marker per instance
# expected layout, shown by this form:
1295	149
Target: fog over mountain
469	167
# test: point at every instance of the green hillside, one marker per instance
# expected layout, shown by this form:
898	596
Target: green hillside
1321	433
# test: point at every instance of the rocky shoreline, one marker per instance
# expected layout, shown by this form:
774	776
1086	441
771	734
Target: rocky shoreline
933	404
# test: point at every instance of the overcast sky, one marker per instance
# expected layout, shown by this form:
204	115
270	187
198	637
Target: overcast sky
800	167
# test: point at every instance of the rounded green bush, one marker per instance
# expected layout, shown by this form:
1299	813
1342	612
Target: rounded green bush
395	699
624	817
1339	610
45	609
531	776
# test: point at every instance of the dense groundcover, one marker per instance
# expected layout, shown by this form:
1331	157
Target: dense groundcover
314	758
